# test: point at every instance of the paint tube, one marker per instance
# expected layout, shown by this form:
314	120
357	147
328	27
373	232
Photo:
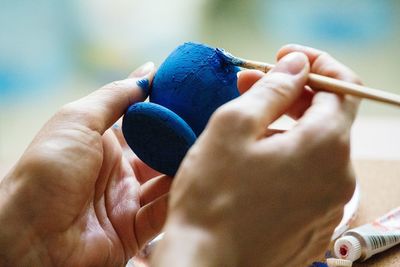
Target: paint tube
369	239
332	262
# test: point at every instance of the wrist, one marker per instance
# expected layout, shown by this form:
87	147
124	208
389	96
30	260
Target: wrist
19	245
187	244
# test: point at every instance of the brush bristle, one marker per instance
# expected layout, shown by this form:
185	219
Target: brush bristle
229	58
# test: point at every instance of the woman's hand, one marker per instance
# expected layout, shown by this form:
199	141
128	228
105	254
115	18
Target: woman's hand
248	196
79	196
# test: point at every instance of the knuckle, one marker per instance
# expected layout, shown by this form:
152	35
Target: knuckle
67	109
113	85
277	84
278	92
117	89
343	144
232	116
35	162
329	70
305	138
326	65
322	58
337	142
343	188
74	110
81	114
327	145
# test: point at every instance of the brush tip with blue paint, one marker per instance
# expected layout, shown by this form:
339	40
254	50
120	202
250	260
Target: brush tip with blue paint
229	58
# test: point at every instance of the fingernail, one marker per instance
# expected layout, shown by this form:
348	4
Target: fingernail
238	74
292	63
142	70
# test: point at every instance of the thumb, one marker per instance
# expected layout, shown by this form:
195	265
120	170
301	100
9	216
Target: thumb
282	86
99	110
270	97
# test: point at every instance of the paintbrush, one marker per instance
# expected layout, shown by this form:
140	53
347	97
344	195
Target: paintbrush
319	82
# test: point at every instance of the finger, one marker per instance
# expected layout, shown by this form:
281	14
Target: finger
297	110
154	188
325	105
111	154
329	115
247	78
99	110
122	203
150	220
270	132
142	70
117	130
268	98
143	171
324	64
321	63
310	52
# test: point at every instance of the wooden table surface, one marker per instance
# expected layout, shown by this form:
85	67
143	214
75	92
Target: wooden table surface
380	192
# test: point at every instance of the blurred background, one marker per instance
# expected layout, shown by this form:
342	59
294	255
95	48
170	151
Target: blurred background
52	52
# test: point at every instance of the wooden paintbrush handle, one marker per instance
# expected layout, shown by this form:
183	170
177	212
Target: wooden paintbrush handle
324	83
319	82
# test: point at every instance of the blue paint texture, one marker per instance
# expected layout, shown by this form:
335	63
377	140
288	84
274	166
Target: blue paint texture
193	82
159	137
229	58
189	86
145	85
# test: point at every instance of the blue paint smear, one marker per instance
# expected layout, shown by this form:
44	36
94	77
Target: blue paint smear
145	85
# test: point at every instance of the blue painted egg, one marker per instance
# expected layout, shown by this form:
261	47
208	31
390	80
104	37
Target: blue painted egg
188	87
193	82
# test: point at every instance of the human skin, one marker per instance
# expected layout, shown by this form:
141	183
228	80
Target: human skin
248	196
79	196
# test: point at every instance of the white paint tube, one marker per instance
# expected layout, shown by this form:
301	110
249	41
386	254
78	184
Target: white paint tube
369	239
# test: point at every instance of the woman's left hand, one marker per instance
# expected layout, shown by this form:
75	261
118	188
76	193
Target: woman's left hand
79	196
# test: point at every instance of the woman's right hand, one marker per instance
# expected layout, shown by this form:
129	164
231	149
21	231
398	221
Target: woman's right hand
245	196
